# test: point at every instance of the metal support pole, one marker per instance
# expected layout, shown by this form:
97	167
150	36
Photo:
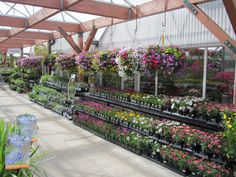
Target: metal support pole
138	82
21	52
204	79
156	83
100	79
122	83
135	82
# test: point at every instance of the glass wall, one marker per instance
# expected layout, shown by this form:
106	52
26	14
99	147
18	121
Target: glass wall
220	75
188	79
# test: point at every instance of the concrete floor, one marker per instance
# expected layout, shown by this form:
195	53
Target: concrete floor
74	152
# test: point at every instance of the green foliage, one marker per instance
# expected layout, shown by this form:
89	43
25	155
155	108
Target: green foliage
50	59
49	78
45	78
6	71
3	139
18	82
40	50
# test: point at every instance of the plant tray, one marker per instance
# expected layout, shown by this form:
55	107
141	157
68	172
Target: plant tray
16	167
34	140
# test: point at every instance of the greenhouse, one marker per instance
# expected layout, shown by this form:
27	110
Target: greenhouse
117	88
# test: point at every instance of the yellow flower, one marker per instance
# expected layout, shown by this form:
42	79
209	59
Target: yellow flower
229	126
225	117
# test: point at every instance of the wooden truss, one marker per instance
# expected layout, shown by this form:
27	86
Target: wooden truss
110	13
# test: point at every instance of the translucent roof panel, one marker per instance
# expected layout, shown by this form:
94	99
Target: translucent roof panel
18	10
100	33
128	2
40	30
5	27
73	17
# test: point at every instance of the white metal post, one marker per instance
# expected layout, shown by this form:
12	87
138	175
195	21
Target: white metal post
137	82
156	83
122	83
204	79
100	79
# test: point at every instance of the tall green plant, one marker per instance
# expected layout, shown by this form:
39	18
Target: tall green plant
3	140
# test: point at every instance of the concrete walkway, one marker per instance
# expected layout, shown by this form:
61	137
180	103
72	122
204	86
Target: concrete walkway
74	152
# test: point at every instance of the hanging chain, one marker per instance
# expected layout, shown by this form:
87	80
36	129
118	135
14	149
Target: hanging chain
164	25
111	34
136	28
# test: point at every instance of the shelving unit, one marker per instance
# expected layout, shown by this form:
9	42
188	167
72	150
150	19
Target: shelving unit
158	113
161	141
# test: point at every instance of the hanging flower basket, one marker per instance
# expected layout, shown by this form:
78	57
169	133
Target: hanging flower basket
30	62
128	63
85	61
165	61
66	62
107	61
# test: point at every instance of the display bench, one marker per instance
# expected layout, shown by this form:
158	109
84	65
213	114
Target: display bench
156	112
66	113
145	152
193	150
64	89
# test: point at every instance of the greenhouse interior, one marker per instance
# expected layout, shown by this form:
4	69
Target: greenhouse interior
117	88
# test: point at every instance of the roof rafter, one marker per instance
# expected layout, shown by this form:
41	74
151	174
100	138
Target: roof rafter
19	22
90	7
147	9
11	45
27	35
70	40
38	17
22	41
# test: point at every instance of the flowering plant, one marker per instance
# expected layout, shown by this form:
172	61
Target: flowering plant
126	63
165	61
226	80
151	57
50	60
66	62
86	61
107	60
30	62
230	134
184	161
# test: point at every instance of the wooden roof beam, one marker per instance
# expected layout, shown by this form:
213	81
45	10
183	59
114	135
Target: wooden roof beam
40	16
21	41
89	40
11	45
150	8
70	40
27	35
100	8
47	25
230	6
